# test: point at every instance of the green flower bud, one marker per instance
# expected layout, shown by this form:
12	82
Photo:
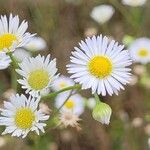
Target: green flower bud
102	112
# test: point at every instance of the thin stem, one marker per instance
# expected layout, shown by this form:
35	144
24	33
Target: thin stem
13	72
97	98
54	94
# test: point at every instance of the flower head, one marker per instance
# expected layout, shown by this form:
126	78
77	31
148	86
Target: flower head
20	115
13	35
38	74
68	119
134	3
36	44
140	50
4	60
102	13
62	82
100	65
102	112
73	104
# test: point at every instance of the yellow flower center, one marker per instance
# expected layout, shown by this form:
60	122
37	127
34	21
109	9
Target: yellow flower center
100	66
38	79
143	52
6	40
70	104
62	84
24	118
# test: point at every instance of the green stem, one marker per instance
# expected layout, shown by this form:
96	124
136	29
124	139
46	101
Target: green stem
97	98
13	72
54	94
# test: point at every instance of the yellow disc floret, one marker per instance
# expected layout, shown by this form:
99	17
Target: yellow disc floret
38	79
143	52
24	118
62	84
100	66
6	40
69	104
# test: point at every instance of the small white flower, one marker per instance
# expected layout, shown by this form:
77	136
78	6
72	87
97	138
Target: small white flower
13	35
91	103
101	65
38	74
74	104
62	82
36	44
4	60
102	13
20	54
20	116
102	113
140	50
134	3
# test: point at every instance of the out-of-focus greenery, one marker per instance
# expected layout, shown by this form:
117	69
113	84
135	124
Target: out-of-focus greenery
63	25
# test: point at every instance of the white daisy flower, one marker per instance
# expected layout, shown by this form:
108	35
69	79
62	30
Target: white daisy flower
36	44
74	104
102	13
134	3
4	60
62	82
20	115
13	35
38	74
140	50
20	54
101	65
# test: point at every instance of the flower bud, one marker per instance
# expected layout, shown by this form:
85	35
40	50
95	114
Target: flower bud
102	112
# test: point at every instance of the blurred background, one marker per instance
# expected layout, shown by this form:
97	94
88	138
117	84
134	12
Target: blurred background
63	23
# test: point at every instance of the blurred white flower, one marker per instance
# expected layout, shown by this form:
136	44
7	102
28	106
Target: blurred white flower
62	82
140	50
137	122
20	116
90	31
102	112
4	60
102	13
133	80
44	108
134	3
12	34
36	44
3	142
91	102
38	74
20	54
74	104
8	93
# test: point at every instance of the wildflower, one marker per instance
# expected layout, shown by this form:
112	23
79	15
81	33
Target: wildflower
36	44
102	112
100	65
13	35
62	82
134	3
20	115
140	50
73	104
38	74
20	54
4	60
102	13
69	119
